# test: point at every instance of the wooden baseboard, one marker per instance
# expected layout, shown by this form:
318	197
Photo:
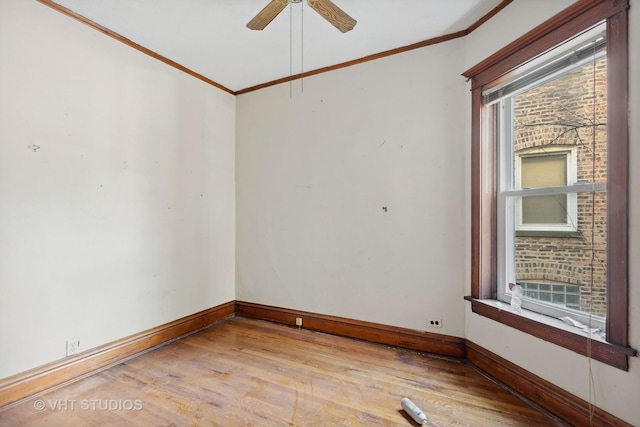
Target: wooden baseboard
86	363
443	345
548	396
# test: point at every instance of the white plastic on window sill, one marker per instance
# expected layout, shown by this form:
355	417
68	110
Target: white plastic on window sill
584	328
596	334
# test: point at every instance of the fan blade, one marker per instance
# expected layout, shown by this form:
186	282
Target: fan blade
332	13
267	14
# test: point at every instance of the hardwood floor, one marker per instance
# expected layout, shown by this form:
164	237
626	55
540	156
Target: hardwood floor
244	372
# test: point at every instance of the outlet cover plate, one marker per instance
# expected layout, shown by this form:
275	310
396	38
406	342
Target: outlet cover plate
73	346
434	323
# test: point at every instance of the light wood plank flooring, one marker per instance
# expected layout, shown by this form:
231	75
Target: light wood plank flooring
244	372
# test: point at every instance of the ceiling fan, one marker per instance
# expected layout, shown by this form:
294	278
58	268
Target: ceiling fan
326	8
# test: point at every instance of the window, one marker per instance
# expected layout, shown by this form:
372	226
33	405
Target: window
549	171
545	168
551	143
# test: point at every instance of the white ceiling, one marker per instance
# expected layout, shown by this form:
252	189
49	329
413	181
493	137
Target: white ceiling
210	37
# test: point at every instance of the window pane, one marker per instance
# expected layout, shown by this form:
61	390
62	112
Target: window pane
539	171
558	138
544	171
567	271
563	113
544	209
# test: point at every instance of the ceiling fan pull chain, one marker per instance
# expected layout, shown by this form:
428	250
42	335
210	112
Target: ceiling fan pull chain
302	50
291	51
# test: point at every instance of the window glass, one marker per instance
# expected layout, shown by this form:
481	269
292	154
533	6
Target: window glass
539	172
553	222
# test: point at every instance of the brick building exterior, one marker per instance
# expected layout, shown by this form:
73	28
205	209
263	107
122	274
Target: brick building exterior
567	267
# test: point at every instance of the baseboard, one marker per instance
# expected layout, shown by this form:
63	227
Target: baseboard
443	345
86	363
548	396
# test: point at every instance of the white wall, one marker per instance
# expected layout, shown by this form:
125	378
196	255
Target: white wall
315	169
616	391
123	219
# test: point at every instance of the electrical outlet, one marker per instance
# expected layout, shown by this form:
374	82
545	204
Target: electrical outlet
298	321
73	346
434	323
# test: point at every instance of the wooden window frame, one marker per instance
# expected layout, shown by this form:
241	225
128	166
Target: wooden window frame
497	68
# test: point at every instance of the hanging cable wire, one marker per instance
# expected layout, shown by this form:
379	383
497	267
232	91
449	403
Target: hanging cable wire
290	50
302	50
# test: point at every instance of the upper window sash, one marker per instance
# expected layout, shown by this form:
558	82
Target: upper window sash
586	52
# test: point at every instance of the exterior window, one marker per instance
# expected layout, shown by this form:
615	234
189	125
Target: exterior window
549	170
544	169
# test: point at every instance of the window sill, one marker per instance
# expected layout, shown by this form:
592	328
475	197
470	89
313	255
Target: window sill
554	331
549	233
